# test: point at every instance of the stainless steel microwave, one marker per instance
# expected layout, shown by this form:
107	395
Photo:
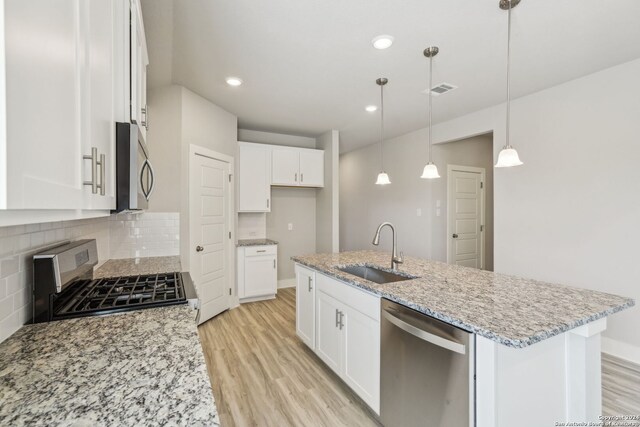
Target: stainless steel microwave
134	173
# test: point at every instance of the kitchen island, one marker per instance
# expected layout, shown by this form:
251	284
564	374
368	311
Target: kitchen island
537	345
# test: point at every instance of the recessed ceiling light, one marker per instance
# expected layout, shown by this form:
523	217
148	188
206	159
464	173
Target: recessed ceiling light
382	42
234	81
371	108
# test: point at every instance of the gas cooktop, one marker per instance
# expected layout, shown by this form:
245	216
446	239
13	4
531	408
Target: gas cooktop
108	295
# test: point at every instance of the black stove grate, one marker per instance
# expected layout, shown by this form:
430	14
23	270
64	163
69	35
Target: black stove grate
85	297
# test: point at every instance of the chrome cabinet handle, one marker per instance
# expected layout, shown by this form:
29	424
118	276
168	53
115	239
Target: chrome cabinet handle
96	183
94	170
261	250
341	320
267	203
103	160
295	177
145	118
455	236
337	318
199	248
301	177
274	263
309	280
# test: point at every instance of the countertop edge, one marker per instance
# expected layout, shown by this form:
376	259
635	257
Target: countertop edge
509	342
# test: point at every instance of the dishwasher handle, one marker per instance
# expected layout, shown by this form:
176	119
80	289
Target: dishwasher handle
424	335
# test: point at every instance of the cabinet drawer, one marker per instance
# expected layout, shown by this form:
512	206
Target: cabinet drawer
260	250
360	300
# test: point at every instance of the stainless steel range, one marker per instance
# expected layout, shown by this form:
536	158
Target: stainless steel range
64	286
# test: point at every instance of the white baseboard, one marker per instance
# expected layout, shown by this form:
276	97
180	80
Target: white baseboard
287	283
621	350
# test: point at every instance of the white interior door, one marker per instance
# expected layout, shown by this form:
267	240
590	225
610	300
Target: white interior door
209	233
466	216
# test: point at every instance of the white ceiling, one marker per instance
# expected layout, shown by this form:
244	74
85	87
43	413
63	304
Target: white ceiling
309	66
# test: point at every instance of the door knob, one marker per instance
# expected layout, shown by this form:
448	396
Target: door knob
199	248
455	236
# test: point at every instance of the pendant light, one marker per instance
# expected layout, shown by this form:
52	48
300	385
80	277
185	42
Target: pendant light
430	171
508	156
383	178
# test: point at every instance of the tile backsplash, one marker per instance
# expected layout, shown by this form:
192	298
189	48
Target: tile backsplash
119	236
142	235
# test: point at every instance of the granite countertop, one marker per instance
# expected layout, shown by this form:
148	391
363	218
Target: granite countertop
138	266
256	242
510	310
142	367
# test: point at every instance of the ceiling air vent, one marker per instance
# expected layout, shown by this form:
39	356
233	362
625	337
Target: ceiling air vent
441	89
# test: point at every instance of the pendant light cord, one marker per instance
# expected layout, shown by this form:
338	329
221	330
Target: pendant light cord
430	96
508	145
381	126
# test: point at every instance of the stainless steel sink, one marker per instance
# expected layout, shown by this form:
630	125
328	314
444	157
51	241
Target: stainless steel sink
374	274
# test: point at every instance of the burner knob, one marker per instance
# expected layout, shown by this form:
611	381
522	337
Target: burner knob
199	248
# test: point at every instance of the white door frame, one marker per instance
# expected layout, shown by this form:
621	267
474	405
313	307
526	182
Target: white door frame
482	172
195	150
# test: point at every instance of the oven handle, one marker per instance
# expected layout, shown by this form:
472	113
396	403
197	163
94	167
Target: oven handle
424	335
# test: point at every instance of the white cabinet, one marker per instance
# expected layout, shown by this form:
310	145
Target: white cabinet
329	335
257	272
285	166
298	167
254	182
139	62
347	331
312	168
305	305
59	104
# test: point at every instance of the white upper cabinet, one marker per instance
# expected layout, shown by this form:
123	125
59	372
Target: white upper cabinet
297	167
285	166
139	63
98	130
254	178
312	168
59	104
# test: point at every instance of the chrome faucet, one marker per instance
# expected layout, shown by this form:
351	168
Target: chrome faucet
395	259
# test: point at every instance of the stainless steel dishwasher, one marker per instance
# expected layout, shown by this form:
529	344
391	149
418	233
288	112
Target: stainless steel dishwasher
427	376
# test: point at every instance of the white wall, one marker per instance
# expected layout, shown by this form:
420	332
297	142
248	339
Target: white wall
183	118
296	206
568	214
163	140
364	205
327	203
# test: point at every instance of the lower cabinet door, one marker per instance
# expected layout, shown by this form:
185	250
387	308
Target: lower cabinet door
329	342
260	275
305	307
362	356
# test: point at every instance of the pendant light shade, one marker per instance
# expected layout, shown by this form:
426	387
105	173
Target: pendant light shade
383	178
508	156
430	171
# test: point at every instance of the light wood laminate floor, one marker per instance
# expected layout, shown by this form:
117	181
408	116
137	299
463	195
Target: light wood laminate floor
263	375
620	387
